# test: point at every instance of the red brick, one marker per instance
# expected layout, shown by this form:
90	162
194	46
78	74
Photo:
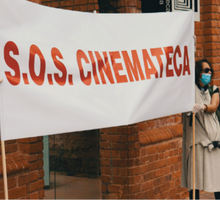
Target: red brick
84	8
177	182
105	170
119	146
23	179
176	152
34	176
151	124
37	185
173	192
104	137
34	195
123	163
176	174
151	193
135	170
55	4
164	195
173	160
13	167
40	164
146	185
105	162
17	192
40	156
32	157
104	145
172	168
10	142
160	172
115	153
133	138
105	153
41	194
80	2
11	148
153	158
110	196
28	140
142	126
143	151
210	8
11	183
151	149
105	178
104	188
158	181
114	188
134	179
2	195
145	194
161	155
117	170
119	180
172	184
132	189
167	178
163	147
33	166
41	173
152	166
31	148
167	169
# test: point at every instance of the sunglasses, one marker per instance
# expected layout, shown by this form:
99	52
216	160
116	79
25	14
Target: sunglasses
206	70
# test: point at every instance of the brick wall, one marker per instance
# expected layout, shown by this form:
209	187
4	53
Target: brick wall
78	5
32	149
24	169
140	163
207	32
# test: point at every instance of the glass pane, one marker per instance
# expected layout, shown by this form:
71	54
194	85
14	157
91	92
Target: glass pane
74	166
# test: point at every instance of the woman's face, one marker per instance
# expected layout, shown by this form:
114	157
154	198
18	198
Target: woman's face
206	69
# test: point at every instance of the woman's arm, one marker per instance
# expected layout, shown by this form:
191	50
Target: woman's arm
214	104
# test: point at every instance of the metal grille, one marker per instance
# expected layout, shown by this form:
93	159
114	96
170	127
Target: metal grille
185	5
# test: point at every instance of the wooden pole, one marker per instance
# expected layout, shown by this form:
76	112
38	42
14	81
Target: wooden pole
4	170
194	156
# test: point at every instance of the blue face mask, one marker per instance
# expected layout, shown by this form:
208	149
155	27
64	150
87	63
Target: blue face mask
206	78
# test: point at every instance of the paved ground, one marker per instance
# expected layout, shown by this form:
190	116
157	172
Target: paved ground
206	195
70	187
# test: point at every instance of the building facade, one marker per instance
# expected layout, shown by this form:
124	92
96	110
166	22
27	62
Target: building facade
138	161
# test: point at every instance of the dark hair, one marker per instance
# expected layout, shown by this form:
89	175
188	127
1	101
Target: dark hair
198	69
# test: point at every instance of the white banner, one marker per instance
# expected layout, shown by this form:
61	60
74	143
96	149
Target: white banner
68	71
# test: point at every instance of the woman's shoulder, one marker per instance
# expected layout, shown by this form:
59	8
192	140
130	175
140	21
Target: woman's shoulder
215	89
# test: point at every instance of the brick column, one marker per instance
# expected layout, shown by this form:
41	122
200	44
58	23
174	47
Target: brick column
119	162
129	6
32	149
141	162
210	15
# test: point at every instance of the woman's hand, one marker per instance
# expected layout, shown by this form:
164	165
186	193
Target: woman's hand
197	107
208	108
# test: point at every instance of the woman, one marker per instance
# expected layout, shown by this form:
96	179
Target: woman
207	136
